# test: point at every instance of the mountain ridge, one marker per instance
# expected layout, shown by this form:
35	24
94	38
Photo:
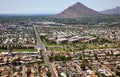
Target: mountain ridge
115	10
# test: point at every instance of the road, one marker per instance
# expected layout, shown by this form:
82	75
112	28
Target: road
110	72
80	70
24	71
44	53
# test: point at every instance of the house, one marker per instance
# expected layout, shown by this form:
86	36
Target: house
61	41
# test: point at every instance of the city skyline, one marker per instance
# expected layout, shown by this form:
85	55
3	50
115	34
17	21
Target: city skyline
51	7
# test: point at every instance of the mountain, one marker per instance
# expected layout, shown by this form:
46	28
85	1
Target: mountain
78	10
115	10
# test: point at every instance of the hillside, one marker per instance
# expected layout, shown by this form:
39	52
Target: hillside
78	10
115	10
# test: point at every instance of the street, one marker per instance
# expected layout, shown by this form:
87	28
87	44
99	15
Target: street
44	53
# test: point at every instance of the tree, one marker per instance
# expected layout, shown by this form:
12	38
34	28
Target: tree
96	57
69	58
48	73
59	58
0	73
28	72
16	61
118	73
39	68
7	62
97	73
83	66
118	67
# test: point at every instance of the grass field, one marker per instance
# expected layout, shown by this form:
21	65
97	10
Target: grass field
3	50
23	50
19	50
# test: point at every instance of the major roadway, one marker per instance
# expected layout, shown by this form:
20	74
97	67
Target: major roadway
44	53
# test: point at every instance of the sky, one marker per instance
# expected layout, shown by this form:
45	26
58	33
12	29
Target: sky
51	6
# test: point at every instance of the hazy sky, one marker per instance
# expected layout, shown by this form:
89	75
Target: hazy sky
51	6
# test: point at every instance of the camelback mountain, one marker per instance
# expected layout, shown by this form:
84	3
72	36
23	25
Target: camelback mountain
78	10
115	10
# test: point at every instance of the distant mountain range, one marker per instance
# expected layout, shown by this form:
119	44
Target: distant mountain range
79	10
115	10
